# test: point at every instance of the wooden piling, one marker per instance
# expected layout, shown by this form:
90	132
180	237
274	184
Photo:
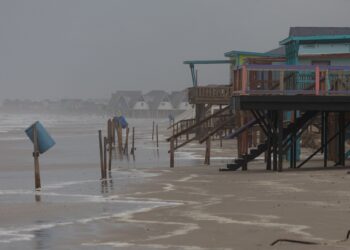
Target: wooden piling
157	136
105	157
280	140
126	145
120	139
101	153
207	151
133	141
36	159
110	154
172	153
153	131
113	132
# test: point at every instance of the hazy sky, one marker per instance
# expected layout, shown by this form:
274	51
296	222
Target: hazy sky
90	48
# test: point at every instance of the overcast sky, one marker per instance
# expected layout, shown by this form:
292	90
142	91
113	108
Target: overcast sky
90	48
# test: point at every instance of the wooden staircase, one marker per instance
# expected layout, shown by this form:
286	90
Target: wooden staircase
261	148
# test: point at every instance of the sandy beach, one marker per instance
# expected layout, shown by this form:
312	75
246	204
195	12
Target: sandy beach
146	205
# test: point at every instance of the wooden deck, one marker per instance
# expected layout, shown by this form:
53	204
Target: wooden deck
214	95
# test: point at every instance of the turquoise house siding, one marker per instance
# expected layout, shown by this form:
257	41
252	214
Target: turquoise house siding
328	48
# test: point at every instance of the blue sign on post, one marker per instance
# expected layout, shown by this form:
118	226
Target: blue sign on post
121	121
45	141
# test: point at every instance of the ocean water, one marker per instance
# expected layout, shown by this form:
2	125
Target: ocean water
73	204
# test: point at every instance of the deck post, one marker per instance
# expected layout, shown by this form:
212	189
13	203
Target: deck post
341	147
280	141
172	153
317	80
207	151
274	122
325	139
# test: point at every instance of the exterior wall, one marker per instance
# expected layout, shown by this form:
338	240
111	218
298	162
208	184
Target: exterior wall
141	106
184	106
328	48
165	106
334	61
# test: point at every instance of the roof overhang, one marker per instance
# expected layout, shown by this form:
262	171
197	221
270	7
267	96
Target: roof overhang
323	38
207	62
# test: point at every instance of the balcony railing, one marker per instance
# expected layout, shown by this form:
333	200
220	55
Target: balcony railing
219	95
293	79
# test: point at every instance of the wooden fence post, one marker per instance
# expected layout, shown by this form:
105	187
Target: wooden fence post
36	158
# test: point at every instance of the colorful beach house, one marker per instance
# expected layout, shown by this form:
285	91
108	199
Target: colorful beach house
275	96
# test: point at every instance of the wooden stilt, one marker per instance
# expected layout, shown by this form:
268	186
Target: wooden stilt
36	158
101	153
133	141
105	156
325	139
280	141
341	140
207	151
126	145
120	139
274	154
172	153
110	154
157	136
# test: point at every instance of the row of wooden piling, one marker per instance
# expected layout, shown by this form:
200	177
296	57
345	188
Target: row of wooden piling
156	132
108	144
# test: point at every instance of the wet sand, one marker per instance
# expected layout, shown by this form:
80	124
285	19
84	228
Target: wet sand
237	210
146	205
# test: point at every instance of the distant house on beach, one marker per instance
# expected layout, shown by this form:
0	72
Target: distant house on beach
160	103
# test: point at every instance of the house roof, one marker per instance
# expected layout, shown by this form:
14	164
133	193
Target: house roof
309	34
130	96
154	97
318	31
177	97
280	51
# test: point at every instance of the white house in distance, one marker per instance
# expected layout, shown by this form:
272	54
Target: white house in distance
179	99
154	104
141	108
159	103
